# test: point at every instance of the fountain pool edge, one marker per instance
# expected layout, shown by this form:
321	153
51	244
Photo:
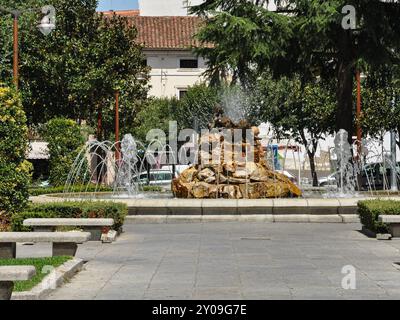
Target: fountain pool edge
267	210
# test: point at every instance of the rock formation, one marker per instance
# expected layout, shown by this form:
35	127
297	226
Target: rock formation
232	170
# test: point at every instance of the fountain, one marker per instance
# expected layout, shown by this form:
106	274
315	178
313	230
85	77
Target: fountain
232	169
232	172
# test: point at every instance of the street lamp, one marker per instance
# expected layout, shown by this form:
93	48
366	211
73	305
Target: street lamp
46	25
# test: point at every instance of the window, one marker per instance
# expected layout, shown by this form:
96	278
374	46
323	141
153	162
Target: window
182	93
189	64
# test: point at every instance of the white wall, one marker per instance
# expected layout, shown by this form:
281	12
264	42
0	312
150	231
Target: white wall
165	7
166	76
172	7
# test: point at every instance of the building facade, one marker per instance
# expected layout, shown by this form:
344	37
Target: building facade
167	44
166	7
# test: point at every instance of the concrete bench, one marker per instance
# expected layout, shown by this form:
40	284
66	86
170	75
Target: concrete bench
64	243
10	274
94	226
394	223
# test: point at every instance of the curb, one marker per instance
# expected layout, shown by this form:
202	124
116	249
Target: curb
52	281
267	218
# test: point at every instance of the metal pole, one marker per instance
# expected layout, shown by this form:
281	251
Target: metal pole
359	131
394	157
117	146
15	46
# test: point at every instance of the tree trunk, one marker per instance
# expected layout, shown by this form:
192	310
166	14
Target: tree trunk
311	156
345	77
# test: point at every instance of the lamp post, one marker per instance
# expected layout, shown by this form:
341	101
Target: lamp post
15	47
46	25
393	150
359	130
117	142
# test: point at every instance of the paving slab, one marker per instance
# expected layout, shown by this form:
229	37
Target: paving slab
235	260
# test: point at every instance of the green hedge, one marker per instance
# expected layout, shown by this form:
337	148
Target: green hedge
92	188
88	209
51	190
370	210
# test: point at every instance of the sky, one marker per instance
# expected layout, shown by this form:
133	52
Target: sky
105	5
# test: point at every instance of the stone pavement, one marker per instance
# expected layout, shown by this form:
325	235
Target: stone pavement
235	261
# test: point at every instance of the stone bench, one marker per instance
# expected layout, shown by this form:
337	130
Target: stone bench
94	226
64	243
394	223
10	274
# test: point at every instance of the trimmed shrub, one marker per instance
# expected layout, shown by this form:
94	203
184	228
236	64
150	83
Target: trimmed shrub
73	189
65	141
88	209
14	170
370	210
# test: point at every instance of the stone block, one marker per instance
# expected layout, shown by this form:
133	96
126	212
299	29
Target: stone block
220	207
255	207
328	218
300	218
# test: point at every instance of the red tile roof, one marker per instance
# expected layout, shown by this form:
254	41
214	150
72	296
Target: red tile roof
124	13
175	33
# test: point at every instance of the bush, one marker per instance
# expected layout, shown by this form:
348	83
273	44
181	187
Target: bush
89	209
76	188
14	170
65	141
370	210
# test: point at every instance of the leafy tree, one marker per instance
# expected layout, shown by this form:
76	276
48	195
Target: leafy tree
196	109
14	170
305	115
381	101
65	141
305	37
155	114
75	71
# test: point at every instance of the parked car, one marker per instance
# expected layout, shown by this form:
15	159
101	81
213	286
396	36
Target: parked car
373	176
328	181
157	177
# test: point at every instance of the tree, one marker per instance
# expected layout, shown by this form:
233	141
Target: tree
196	109
304	37
306	115
65	141
381	101
75	71
14	170
155	114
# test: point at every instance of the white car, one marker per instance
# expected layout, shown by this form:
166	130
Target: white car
328	181
157	178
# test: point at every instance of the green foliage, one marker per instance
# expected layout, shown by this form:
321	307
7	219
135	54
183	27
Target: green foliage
71	189
306	39
381	101
306	115
155	114
88	209
74	71
370	210
64	142
152	189
39	264
196	109
14	170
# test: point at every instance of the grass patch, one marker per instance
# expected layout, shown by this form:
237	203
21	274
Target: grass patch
38	263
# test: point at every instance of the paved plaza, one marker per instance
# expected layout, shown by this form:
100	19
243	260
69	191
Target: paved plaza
235	261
